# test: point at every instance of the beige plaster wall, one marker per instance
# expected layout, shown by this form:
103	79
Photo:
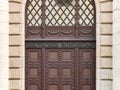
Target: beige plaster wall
103	53
4	44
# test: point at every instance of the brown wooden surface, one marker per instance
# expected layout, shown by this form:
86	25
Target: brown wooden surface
33	70
60	69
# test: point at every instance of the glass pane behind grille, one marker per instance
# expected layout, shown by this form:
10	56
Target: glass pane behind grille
86	13
57	15
34	12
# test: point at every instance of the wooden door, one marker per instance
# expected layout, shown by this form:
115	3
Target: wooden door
59	68
60	39
86	69
33	70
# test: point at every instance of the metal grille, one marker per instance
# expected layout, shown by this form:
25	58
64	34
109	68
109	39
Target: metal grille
34	12
86	12
63	2
60	18
60	13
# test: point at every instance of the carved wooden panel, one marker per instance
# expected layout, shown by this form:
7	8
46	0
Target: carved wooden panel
53	56
33	71
60	69
66	87
53	87
59	72
87	69
34	87
53	72
66	56
33	56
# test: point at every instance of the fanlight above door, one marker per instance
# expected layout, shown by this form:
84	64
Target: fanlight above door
50	19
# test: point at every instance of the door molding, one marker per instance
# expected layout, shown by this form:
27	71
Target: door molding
63	44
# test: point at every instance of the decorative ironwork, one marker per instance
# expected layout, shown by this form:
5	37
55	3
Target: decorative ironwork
34	12
60	16
60	44
63	2
86	13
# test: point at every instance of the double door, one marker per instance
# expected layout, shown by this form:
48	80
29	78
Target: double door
60	69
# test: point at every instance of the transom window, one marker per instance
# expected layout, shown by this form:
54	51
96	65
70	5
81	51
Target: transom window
60	16
60	12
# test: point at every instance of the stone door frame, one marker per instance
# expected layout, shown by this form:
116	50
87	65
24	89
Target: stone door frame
17	45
